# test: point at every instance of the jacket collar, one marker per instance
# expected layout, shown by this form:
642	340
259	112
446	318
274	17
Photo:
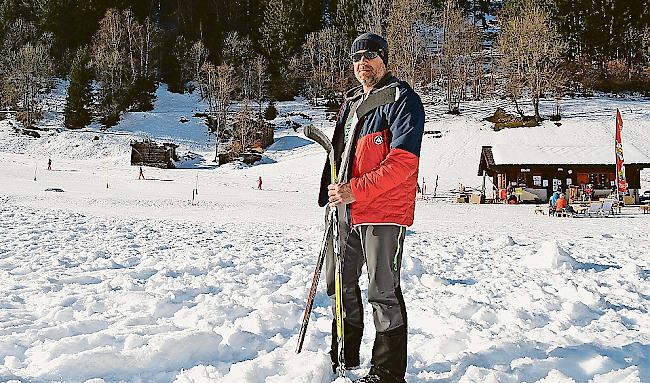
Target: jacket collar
356	92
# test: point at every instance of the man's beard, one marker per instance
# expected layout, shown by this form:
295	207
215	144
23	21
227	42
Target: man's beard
370	78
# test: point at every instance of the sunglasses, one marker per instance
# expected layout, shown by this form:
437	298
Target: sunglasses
369	55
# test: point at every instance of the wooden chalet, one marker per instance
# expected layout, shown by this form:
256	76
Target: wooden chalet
541	170
149	153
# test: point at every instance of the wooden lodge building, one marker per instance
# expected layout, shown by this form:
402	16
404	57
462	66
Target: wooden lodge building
541	170
149	153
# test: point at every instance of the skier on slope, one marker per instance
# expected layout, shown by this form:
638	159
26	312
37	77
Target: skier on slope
377	143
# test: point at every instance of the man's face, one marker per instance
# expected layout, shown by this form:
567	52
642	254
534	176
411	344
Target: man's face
369	71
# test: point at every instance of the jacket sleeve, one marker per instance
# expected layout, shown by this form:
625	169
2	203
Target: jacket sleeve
406	121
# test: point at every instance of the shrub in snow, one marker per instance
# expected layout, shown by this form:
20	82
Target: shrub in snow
270	113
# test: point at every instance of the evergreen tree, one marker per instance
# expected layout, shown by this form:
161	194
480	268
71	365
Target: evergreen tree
7	16
281	33
348	18
604	40
77	111
178	73
281	36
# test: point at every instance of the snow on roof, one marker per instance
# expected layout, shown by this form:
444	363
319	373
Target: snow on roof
565	155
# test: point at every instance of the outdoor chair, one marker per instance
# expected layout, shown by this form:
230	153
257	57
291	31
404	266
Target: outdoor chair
563	213
579	209
594	209
608	207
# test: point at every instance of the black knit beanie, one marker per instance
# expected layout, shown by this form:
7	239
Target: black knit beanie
371	42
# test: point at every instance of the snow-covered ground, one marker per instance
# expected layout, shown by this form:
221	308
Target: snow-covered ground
120	280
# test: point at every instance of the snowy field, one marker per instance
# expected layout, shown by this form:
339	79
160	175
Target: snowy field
123	280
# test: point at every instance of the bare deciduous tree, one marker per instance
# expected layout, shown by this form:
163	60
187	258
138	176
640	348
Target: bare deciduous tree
260	80
223	88
531	53
218	84
108	50
326	62
375	14
459	56
31	76
109	62
198	57
645	43
314	67
244	128
122	59
406	31
140	42
238	52
26	70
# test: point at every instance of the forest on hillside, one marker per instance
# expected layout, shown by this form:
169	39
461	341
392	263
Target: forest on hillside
115	52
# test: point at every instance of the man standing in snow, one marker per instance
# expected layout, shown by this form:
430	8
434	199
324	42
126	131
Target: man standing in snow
259	183
377	143
49	164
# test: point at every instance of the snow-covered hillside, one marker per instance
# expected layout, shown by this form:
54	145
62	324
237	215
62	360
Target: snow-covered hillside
123	280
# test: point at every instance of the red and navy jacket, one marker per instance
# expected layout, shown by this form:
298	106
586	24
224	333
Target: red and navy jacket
383	171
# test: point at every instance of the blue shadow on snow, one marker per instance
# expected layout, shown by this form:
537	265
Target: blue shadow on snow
288	143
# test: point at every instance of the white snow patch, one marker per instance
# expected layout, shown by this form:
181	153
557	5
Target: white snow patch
549	256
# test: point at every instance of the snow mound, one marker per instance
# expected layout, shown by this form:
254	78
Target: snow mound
627	375
555	376
476	374
198	374
66	144
632	271
550	256
83	145
432	281
502	242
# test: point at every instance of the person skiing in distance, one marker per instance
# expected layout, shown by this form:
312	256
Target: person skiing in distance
141	175
377	142
49	164
259	183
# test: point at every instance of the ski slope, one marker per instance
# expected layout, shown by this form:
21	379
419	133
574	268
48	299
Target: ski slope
117	279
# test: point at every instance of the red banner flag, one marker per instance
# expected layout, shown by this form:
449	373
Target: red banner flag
621	183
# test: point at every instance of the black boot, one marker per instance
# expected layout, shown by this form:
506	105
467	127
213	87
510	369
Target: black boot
370	378
389	355
352	340
379	375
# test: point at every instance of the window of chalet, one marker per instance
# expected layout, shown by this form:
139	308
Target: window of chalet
601	180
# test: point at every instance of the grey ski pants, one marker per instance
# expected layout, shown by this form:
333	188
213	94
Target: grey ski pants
380	247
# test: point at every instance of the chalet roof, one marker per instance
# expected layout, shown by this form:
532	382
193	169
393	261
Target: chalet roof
564	155
558	155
